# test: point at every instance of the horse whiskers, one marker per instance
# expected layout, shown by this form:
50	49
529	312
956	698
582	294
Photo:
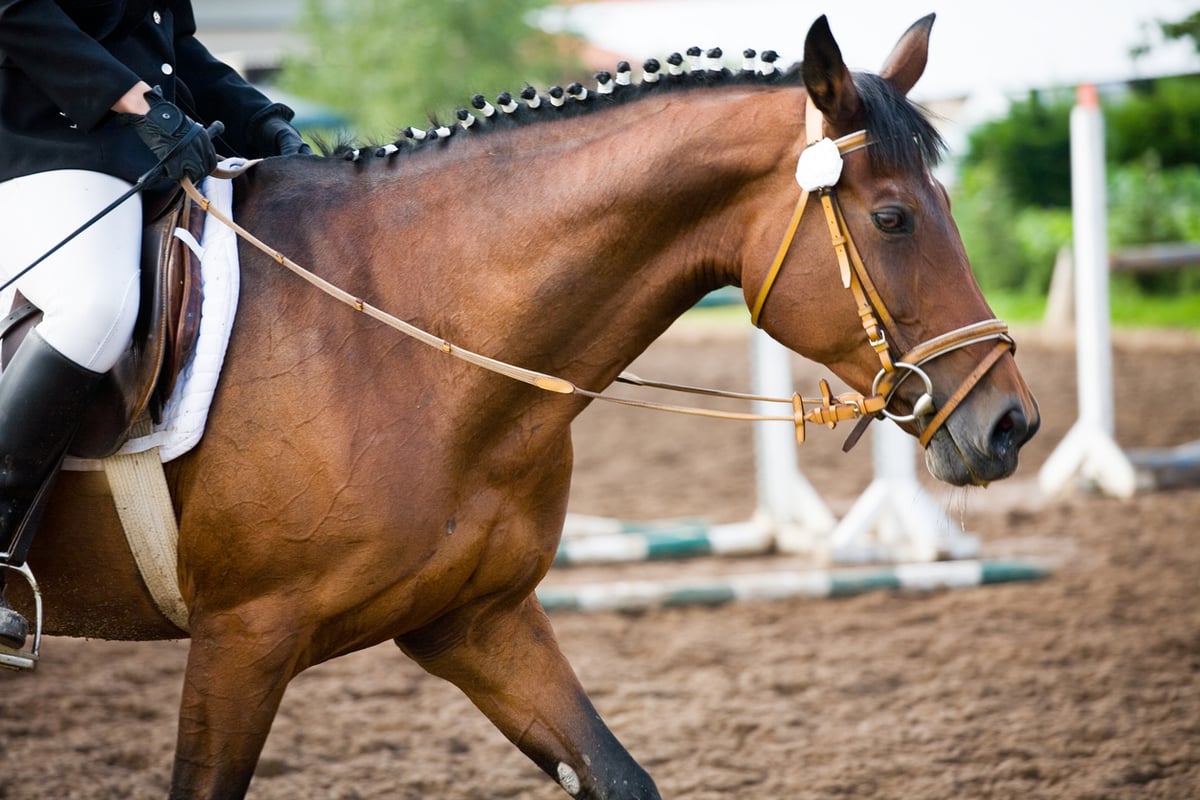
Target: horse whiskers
957	501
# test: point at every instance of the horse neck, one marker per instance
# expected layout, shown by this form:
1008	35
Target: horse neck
618	222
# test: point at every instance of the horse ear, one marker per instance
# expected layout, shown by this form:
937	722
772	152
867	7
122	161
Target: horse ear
907	60
826	77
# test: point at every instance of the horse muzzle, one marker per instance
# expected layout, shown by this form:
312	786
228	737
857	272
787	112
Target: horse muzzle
981	441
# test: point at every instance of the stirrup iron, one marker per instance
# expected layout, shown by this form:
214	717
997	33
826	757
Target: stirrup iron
24	660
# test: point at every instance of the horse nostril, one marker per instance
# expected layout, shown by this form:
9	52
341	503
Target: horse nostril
1012	430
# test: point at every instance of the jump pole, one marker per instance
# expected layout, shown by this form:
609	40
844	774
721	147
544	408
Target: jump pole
642	595
1089	453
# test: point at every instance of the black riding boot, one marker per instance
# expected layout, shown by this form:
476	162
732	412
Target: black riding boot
42	398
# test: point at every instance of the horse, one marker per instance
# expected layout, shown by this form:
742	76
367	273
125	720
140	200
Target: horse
355	486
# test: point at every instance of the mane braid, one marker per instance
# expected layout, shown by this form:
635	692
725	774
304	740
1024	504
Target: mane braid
575	100
902	136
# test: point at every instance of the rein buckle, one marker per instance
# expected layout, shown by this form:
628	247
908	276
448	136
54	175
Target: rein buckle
832	409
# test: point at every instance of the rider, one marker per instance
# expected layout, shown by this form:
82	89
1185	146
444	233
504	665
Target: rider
92	95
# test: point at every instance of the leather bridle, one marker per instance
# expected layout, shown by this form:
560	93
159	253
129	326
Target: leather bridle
828	409
819	170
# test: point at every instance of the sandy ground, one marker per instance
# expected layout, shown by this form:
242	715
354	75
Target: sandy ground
1085	685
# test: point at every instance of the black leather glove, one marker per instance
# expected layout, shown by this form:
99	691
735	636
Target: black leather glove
275	136
162	128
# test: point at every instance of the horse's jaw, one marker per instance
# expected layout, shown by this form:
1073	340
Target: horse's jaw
946	462
962	454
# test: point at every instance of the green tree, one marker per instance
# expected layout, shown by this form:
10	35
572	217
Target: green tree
1012	201
1030	150
387	64
1186	28
1162	117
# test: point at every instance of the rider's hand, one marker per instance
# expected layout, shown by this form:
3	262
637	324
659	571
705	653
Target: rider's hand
275	136
162	128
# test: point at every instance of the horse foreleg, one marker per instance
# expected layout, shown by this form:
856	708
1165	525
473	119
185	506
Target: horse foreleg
236	674
508	663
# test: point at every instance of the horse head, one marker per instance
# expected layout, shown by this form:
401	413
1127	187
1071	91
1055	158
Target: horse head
901	313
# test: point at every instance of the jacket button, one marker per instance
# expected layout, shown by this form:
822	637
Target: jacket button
157	18
167	69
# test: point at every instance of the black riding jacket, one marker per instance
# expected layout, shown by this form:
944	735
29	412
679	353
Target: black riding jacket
64	63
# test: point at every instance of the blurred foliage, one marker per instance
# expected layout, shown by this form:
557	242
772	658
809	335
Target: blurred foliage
1011	246
1186	28
1130	306
1013	197
1160	116
1151	203
387	64
1031	148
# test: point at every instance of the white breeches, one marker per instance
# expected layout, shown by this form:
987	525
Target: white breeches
88	290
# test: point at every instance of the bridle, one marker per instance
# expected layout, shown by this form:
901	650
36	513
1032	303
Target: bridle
819	170
828	409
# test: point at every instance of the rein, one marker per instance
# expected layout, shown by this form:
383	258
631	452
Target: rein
818	170
829	408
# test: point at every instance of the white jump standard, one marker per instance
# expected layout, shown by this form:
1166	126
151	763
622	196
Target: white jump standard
1088	452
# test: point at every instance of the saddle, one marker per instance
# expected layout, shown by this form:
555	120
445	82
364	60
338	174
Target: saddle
164	334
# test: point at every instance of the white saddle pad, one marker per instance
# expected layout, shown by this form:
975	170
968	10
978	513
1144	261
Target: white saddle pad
186	411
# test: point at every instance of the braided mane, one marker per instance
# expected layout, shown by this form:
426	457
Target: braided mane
902	130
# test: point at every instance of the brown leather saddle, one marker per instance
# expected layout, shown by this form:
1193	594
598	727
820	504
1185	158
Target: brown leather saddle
164	334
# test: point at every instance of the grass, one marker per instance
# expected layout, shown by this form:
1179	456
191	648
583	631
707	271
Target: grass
1130	308
1134	308
1017	308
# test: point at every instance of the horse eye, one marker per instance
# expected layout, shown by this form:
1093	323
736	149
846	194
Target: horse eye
891	220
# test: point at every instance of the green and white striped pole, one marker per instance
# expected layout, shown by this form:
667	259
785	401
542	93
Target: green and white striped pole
640	595
613	541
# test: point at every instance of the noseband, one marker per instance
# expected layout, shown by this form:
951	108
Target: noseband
818	170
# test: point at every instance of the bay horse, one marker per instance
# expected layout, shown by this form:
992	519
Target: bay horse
355	486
